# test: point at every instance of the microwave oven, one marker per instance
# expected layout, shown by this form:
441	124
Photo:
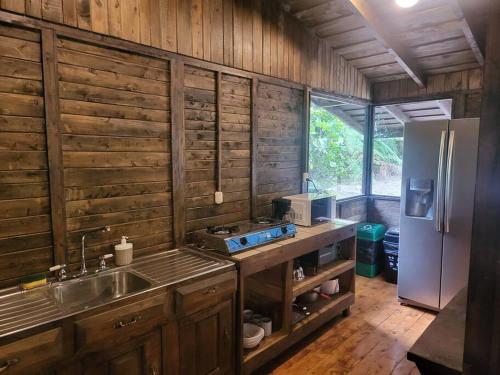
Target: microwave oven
310	208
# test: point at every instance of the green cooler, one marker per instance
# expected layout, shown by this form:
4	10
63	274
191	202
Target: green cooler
370	249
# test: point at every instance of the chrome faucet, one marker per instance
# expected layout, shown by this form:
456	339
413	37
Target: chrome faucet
83	267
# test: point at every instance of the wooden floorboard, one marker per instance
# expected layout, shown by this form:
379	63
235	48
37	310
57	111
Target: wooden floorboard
374	339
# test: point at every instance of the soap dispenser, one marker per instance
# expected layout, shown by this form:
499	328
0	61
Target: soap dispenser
123	252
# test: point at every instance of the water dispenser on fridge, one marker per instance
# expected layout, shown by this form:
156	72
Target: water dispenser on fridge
419	198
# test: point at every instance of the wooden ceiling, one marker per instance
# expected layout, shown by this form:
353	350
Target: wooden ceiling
386	42
390	119
353	115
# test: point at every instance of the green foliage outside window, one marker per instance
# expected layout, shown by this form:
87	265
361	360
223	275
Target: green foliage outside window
336	157
335	154
387	164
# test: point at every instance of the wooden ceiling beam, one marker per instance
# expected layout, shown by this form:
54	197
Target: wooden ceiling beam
398	114
468	16
347	118
377	25
445	106
355	47
300	14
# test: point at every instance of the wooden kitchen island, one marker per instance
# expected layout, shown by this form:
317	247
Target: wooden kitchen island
266	285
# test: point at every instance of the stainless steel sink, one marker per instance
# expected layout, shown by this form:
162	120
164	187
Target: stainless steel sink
97	289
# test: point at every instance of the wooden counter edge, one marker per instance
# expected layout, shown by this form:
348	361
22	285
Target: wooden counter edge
430	357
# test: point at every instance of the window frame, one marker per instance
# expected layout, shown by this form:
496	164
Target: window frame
369	175
368	128
371	130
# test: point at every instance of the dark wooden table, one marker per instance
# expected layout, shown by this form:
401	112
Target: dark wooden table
440	349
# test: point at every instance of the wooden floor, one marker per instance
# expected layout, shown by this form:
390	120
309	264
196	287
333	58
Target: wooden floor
374	339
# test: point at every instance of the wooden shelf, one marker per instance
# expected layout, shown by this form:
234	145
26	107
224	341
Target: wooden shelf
268	272
317	308
266	343
322	311
324	273
322	306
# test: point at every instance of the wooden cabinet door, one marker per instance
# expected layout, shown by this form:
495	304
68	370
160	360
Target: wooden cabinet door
206	341
140	356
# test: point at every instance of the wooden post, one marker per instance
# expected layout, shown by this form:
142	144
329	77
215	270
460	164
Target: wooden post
482	334
368	150
178	157
305	137
218	114
287	275
255	151
54	144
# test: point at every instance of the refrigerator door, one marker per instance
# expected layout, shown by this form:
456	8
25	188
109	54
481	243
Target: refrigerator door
459	205
422	208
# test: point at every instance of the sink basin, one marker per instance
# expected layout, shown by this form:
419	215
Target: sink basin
97	290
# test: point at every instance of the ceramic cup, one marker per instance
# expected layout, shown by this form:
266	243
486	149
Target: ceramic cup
267	325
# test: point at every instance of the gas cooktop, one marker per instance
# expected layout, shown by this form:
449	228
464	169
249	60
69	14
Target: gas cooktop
243	236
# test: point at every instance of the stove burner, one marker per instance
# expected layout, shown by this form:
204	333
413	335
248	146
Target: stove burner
246	235
263	220
220	230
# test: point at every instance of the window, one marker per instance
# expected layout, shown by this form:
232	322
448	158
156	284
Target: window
387	163
336	146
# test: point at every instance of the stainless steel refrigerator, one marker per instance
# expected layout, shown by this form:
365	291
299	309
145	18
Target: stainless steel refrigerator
437	200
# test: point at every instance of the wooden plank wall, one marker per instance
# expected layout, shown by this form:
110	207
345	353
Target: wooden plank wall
115	121
253	35
279	140
383	211
464	87
96	114
26	244
201	148
353	209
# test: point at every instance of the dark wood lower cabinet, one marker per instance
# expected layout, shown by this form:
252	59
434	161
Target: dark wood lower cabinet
141	356
138	356
206	341
199	344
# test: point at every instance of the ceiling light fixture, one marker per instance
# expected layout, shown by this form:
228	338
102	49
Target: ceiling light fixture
406	3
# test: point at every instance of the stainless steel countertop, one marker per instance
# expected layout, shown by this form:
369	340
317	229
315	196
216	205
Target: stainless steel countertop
22	310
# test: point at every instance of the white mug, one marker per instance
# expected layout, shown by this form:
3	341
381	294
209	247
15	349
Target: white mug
266	324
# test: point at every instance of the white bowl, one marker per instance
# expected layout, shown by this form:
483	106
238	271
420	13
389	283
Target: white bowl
330	286
252	335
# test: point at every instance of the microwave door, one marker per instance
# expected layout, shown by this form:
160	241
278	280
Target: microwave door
321	210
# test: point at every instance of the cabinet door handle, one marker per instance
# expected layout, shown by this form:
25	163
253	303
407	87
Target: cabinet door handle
226	335
211	290
6	364
122	324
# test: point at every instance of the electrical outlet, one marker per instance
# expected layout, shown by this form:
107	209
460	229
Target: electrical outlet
219	197
305	176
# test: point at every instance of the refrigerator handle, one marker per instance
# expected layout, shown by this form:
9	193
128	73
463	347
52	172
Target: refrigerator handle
439	184
449	177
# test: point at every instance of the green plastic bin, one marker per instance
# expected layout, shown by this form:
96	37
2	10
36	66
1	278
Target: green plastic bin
371	232
368	270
